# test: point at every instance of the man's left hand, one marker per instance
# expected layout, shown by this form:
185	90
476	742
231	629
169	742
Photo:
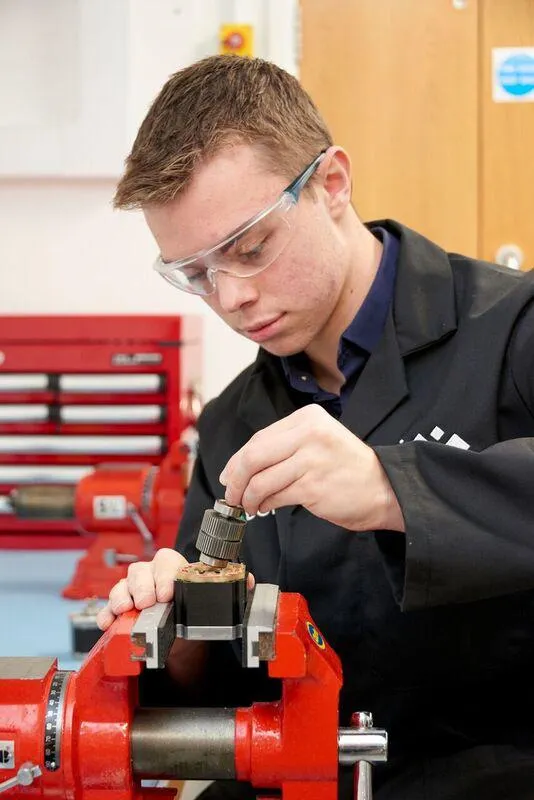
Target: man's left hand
311	459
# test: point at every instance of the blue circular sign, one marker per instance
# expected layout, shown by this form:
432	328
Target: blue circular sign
516	74
316	636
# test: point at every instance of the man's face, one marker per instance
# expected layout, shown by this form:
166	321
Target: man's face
287	305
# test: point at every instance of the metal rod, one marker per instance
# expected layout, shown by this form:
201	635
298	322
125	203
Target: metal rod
363	785
184	743
362	745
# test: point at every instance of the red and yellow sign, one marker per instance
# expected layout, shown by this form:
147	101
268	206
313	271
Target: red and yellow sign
236	39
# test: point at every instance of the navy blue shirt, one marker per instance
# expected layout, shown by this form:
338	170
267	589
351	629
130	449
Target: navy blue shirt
357	341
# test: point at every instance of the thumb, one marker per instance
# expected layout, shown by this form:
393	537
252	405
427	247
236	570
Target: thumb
165	566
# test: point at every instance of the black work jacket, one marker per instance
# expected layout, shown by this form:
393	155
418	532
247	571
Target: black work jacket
435	628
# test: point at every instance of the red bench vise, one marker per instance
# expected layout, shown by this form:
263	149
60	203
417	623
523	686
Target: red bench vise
83	736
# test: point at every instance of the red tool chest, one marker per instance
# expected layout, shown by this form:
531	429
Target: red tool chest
76	391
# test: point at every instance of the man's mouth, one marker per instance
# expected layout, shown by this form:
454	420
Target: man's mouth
263	329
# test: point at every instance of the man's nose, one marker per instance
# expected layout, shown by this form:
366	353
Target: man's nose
233	292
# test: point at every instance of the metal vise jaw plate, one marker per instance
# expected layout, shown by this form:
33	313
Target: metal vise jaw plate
154	632
259	625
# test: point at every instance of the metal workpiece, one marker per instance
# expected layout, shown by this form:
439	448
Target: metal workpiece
210	609
154	633
221	533
184	743
259	625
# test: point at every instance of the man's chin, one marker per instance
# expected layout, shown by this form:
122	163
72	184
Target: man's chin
282	349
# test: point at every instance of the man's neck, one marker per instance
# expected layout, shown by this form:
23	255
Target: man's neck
323	351
331	380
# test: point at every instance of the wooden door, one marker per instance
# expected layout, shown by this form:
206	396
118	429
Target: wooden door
507	138
396	80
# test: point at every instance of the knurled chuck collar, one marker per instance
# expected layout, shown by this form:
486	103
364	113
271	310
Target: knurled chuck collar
221	533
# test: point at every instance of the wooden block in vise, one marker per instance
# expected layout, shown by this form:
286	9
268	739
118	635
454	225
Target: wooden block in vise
202	573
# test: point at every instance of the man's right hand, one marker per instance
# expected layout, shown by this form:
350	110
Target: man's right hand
148	582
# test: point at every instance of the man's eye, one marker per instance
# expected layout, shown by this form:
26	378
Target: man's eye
253	253
193	273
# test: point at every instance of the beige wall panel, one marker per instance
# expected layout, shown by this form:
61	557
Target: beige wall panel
397	82
507	142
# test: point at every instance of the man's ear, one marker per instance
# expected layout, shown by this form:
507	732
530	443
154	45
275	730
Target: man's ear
336	174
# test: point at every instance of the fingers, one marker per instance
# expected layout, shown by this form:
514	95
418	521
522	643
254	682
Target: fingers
273	444
105	617
288	496
148	582
166	564
269	483
264	450
120	601
140	589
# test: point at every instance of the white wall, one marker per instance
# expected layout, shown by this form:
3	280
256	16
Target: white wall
64	250
62	247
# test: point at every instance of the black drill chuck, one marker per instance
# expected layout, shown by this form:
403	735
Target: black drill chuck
221	533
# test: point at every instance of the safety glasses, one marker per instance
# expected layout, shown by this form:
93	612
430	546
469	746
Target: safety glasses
247	250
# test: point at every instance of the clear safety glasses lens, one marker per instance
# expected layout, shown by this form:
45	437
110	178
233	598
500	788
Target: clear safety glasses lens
244	254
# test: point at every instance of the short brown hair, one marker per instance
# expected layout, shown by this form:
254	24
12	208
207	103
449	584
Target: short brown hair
210	105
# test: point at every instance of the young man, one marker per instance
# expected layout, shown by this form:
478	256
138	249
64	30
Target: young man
388	424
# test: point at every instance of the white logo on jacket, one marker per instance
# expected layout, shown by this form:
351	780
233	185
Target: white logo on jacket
437	435
259	514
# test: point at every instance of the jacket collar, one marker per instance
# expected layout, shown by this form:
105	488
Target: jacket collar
423	313
424	307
